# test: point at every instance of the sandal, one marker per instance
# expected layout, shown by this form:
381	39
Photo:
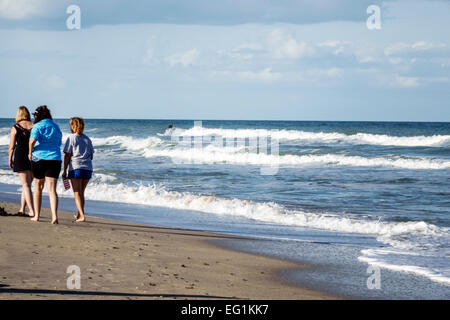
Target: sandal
3	212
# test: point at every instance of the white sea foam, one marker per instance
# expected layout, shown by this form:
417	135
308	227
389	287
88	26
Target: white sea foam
417	247
425	240
128	142
236	156
99	178
267	211
293	135
8	177
101	189
425	253
4	140
434	267
319	137
155	147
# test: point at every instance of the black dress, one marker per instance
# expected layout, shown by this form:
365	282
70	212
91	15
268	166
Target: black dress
20	159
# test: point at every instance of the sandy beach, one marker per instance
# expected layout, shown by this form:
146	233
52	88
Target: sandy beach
120	260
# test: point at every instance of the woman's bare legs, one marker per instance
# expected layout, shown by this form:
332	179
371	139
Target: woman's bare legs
53	195
79	185
76	192
84	184
39	186
26	178
23	202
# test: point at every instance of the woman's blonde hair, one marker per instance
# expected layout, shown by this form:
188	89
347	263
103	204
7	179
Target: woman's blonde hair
78	124
23	114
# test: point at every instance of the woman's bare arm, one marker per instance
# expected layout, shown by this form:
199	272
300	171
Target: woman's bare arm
31	146
67	157
12	145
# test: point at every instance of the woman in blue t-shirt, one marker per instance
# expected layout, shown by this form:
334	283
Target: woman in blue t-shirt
45	156
79	153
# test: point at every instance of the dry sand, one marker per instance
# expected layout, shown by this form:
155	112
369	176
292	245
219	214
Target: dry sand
120	260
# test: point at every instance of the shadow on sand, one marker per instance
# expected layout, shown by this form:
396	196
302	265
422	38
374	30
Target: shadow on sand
6	289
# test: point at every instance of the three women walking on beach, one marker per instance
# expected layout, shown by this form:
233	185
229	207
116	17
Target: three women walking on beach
35	152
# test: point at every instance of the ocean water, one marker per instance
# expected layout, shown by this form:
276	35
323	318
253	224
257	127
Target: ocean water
381	188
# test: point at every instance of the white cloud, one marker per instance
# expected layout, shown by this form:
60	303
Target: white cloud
283	45
318	76
21	9
309	76
422	45
395	60
248	47
52	81
389	79
338	47
395	48
402	47
333	72
445	63
149	57
242	52
330	43
368	54
185	59
414	82
366	59
235	55
404	82
265	75
438	80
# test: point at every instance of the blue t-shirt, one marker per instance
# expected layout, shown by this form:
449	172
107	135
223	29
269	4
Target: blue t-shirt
48	140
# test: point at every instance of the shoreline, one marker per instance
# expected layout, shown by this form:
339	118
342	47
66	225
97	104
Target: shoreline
124	260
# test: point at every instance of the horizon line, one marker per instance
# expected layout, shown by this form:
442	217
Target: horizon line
278	120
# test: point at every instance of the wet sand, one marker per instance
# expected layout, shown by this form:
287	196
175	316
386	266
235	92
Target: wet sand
120	260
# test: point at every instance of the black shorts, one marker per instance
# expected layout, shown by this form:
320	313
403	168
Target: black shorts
46	168
21	162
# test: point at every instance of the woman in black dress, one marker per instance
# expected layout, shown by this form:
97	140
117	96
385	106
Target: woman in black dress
18	157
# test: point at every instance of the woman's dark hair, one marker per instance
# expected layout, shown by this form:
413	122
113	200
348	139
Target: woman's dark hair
42	113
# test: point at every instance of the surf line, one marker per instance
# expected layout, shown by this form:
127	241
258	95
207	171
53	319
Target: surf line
256	145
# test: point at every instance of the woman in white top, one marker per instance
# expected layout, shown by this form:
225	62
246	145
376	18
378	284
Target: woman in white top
79	153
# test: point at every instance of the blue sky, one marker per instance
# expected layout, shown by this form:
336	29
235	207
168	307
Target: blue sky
248	59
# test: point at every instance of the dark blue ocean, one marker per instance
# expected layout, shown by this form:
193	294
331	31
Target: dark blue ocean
376	192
